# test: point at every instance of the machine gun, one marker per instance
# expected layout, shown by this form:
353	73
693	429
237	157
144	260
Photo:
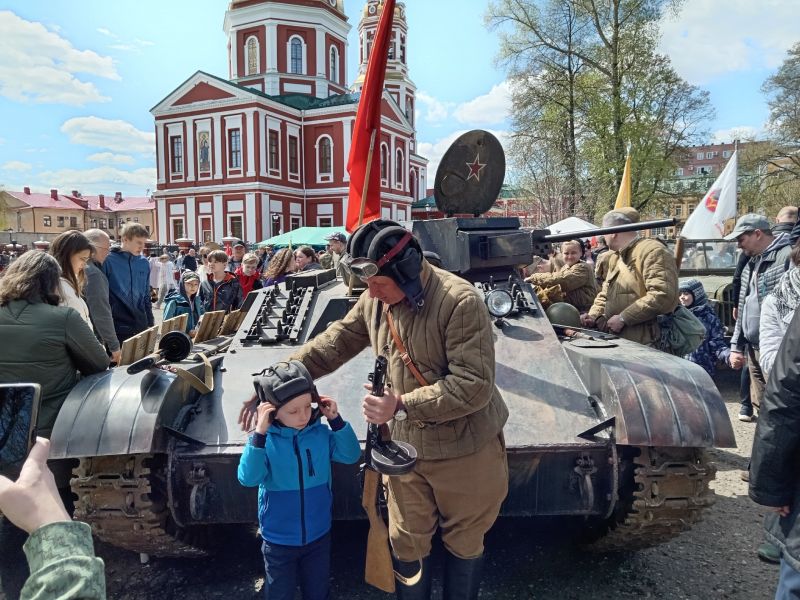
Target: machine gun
382	456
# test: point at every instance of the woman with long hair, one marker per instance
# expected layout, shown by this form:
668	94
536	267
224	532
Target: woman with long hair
281	265
73	250
50	345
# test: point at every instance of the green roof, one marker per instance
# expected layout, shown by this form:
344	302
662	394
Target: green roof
424	203
306	102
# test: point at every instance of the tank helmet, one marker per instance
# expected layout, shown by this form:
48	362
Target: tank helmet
284	381
563	313
384	247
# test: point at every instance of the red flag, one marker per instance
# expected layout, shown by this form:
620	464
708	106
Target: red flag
365	173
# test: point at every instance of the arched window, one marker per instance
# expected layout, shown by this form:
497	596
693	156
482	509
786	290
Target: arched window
403	49
398	168
252	55
324	158
334	74
296	55
384	164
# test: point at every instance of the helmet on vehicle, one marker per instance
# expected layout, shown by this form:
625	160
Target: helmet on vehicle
563	313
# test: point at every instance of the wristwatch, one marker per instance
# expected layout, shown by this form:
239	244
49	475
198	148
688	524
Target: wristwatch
400	413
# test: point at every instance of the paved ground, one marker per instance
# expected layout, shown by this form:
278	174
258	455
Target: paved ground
527	560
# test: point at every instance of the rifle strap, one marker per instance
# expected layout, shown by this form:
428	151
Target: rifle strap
205	385
404	356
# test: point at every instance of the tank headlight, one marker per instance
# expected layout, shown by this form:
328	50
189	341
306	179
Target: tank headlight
500	303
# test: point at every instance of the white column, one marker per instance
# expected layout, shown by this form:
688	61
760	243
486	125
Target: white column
272	47
266	219
392	161
251	144
263	142
406	168
191	219
161	203
189	150
348	127
345	204
234	56
218	133
160	153
322	53
219	231
250	214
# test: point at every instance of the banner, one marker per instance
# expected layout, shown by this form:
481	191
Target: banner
707	221
624	194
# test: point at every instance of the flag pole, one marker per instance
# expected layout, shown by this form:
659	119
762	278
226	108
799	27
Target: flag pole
736	177
367	171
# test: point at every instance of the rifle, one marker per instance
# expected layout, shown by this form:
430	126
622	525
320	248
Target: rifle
381	456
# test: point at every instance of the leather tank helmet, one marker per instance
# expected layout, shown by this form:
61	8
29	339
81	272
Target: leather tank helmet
375	239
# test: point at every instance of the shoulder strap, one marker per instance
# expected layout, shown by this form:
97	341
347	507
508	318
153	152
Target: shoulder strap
403	352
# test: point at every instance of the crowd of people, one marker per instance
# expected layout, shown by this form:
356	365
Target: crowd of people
85	297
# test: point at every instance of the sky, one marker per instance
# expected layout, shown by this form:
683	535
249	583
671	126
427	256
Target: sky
79	77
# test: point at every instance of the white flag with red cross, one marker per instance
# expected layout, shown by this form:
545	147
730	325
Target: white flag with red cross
707	221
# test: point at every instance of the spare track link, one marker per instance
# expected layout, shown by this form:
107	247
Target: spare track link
123	498
669	494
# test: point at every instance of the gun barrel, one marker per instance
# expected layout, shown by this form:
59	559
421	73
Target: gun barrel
541	236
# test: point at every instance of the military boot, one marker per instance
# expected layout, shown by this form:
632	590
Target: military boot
462	577
421	590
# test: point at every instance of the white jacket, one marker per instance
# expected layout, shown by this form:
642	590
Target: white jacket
71	299
772	330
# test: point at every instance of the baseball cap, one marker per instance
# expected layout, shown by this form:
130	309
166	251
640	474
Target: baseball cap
747	223
336	236
238	243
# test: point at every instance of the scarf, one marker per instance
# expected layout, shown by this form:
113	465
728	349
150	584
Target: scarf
787	292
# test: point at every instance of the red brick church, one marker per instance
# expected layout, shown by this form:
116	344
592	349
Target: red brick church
265	151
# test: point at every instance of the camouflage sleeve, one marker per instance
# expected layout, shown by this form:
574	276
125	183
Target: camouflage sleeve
63	565
715	334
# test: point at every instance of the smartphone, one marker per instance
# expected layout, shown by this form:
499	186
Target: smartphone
19	408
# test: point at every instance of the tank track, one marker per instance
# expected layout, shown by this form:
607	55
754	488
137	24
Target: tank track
666	496
124	499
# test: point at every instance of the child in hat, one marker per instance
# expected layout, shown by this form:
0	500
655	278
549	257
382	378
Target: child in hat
713	349
289	458
186	301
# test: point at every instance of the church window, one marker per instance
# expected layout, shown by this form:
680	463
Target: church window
370	36
391	51
410	111
384	164
176	154
296	46
252	56
294	168
403	49
235	149
324	158
398	172
334	75
273	150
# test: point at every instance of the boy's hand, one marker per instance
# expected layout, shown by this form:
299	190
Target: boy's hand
266	413
328	407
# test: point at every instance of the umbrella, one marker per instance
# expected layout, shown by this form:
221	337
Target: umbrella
302	236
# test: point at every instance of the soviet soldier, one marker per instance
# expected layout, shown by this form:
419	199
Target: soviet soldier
443	402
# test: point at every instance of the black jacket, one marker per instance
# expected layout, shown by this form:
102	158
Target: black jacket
225	295
775	463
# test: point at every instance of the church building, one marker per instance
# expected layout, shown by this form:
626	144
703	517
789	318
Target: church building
265	151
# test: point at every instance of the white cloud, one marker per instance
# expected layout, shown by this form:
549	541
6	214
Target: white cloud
40	66
742	132
16	165
435	151
436	111
99	178
117	136
106	32
109	158
489	109
709	38
143	42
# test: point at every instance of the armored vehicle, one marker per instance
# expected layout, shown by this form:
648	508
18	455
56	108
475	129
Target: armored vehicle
600	428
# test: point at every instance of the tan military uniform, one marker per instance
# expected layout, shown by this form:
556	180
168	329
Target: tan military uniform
576	281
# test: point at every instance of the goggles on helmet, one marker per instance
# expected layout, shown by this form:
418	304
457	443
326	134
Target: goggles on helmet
364	268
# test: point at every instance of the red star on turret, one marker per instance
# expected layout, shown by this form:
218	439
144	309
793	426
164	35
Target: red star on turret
475	168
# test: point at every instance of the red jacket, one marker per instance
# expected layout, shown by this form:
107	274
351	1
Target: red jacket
248	283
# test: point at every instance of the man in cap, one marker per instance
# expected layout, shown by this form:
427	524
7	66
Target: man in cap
440	397
768	256
235	261
336	242
641	283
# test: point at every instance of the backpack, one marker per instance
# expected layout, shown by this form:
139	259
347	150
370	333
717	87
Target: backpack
681	332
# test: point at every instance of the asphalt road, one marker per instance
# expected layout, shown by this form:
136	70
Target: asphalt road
527	559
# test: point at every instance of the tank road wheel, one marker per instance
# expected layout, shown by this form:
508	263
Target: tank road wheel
662	492
124	499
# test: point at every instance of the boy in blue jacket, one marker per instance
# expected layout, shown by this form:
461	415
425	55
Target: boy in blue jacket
289	458
185	301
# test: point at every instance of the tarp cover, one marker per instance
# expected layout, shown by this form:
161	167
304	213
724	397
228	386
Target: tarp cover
302	236
571	225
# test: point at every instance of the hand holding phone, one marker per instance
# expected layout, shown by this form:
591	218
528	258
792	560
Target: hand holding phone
19	408
32	501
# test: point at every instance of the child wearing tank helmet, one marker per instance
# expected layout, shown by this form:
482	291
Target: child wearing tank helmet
289	457
714	348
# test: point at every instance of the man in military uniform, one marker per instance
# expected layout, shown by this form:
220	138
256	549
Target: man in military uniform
336	245
641	284
443	401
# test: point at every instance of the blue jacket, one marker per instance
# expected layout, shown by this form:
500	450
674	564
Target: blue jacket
293	471
178	303
128	292
713	348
